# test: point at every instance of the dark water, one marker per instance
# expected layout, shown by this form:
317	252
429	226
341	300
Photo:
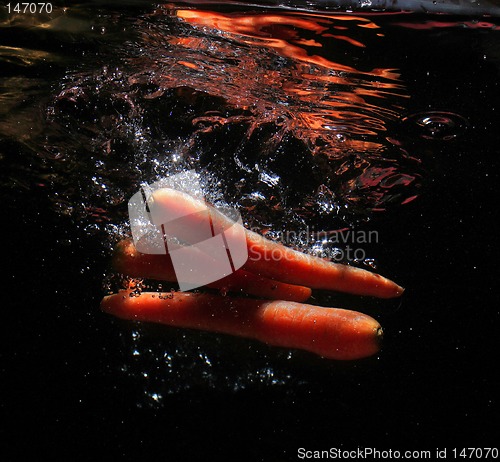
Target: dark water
374	122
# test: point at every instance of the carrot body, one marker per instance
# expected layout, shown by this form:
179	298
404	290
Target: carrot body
129	261
275	261
329	332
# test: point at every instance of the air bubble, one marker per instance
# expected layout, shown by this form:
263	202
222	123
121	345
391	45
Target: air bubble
436	125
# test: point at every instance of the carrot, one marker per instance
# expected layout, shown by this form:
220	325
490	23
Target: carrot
273	260
128	260
329	332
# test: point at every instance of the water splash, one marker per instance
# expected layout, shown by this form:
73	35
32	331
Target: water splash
285	116
271	108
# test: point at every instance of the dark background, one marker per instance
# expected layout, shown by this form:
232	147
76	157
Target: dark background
434	384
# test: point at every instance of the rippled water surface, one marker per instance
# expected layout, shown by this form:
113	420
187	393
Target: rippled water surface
296	118
329	122
293	116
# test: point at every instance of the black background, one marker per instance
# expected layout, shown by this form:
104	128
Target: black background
434	384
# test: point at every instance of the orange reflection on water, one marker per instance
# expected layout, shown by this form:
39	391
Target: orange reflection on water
282	32
292	70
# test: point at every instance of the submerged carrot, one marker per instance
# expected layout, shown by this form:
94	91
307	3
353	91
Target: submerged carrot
330	332
275	261
129	261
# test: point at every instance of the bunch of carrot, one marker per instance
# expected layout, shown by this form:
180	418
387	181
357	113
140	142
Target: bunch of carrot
279	316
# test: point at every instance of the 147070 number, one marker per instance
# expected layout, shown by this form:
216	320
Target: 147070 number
476	453
32	8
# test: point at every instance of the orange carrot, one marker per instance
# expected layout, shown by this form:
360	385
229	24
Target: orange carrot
329	332
275	261
128	260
